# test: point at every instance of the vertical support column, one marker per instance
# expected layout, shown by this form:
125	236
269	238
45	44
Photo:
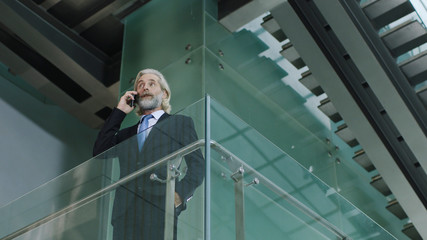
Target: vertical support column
239	203
208	167
170	200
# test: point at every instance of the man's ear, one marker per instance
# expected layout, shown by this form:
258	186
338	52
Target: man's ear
165	94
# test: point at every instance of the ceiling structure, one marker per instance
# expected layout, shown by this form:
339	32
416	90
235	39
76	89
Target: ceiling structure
70	51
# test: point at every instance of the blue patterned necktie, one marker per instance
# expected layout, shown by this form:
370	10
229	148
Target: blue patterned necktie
142	132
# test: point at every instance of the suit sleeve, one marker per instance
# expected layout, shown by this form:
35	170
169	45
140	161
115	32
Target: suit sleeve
108	135
195	164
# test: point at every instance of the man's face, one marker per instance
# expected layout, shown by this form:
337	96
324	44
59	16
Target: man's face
149	91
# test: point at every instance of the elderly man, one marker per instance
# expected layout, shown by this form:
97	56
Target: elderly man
138	211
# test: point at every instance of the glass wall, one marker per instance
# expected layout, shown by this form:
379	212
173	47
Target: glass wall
250	189
281	197
120	186
198	56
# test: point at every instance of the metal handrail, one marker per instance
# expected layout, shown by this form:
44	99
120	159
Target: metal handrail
280	192
177	154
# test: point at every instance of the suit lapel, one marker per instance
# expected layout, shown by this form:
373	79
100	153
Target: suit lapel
133	130
163	117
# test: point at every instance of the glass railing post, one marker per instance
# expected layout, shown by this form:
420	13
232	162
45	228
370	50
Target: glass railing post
172	174
208	168
239	202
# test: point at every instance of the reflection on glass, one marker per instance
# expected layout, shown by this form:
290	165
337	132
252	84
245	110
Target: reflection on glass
141	189
289	202
256	190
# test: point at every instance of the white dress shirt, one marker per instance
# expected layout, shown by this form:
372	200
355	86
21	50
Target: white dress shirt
156	115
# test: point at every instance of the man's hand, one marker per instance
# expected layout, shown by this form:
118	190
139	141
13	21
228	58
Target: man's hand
123	103
178	200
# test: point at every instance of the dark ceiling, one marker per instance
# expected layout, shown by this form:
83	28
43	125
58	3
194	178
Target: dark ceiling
69	50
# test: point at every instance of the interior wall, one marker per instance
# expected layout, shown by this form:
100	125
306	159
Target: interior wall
39	140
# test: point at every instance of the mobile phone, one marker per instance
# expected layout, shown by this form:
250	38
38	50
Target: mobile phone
132	101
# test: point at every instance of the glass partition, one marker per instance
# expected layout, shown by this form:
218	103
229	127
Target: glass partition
92	200
132	207
245	71
55	195
288	202
252	190
89	199
256	206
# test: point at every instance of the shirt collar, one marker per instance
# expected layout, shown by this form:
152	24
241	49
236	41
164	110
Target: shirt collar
156	115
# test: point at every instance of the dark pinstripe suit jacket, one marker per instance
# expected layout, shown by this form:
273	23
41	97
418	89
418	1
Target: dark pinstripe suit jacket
169	134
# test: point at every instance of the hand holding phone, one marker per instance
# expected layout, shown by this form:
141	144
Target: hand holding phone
133	101
127	102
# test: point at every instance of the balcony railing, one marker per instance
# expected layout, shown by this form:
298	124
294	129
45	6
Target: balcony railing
251	190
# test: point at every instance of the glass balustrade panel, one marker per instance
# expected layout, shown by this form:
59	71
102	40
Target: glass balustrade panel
264	212
86	221
286	201
114	164
127	209
288	198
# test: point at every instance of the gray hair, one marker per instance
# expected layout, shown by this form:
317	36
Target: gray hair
163	85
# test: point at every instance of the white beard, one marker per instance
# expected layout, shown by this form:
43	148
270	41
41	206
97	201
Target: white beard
150	104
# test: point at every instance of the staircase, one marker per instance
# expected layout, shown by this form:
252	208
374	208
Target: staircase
404	35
